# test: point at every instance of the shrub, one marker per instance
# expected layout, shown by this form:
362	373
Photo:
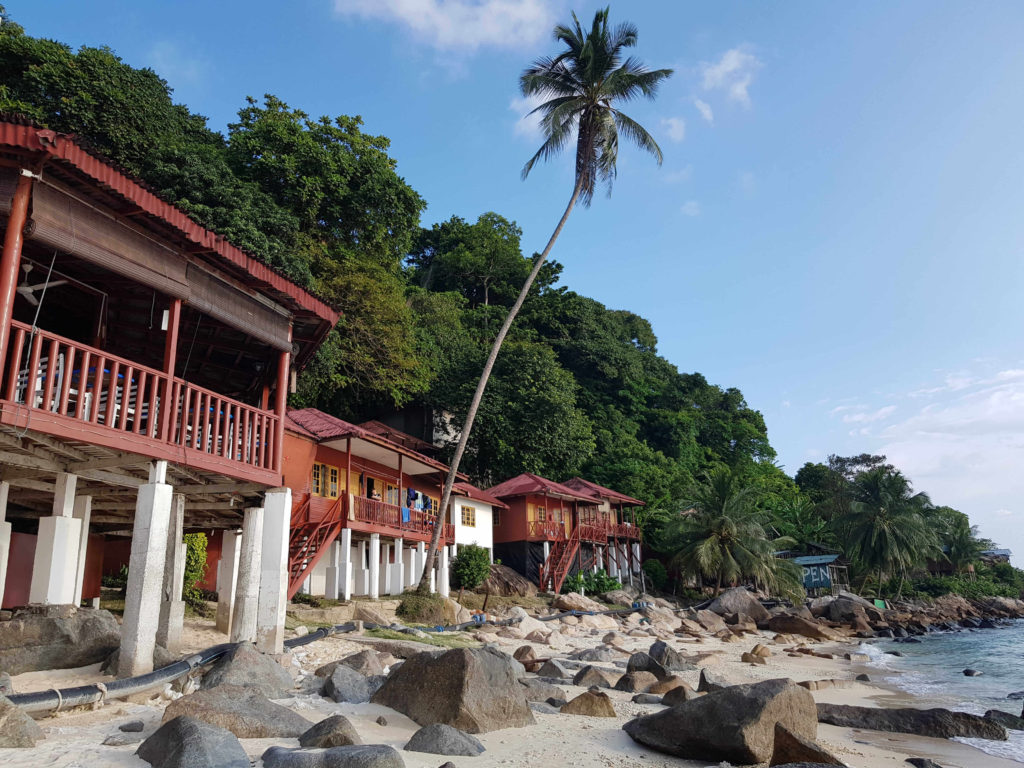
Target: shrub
195	568
421	609
591	583
311	600
470	567
656	574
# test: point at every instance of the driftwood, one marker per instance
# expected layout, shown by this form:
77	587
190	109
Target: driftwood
504	582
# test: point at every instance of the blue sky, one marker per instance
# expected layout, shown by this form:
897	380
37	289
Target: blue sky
836	230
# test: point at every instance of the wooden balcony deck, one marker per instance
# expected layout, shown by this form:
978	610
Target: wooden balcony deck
81	394
372	516
595	533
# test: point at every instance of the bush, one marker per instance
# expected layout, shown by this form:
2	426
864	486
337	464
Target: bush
590	583
937	586
421	609
470	567
311	600
656	574
195	568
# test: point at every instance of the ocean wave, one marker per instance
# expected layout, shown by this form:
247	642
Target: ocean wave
1011	749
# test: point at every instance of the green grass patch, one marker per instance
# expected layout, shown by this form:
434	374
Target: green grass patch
442	640
422	609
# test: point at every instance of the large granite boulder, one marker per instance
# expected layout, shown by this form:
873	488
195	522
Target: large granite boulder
574	601
441	739
347	685
590	704
642	662
526	622
618	597
791	624
247	667
334	731
939	723
669	658
244	711
506	582
473	689
636	682
1006	719
57	637
735	724
590	677
17	729
366	663
790	748
739	600
185	742
536	689
710	621
368	756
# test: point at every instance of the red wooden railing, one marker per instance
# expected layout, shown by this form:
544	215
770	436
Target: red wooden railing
310	539
399	521
551	530
597	534
554	570
623	531
50	373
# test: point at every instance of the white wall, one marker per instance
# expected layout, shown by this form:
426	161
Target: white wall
483	534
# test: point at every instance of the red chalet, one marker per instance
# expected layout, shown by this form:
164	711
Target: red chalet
552	530
145	366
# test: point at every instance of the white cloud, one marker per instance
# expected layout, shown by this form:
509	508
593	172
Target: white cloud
175	65
705	110
461	25
866	417
675	127
733	73
527	126
679	175
691	208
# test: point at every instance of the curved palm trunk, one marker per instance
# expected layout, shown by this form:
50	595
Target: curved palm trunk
474	406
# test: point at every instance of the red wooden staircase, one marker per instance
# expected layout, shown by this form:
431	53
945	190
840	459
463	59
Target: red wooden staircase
310	540
556	567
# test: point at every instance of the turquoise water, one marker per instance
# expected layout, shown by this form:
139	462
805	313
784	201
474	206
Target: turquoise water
932	671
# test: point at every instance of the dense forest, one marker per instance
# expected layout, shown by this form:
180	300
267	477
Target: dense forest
579	388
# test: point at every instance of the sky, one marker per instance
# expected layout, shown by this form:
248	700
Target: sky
836	229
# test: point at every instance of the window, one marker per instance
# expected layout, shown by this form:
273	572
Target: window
317	486
325	481
332	483
496	517
469	517
541	515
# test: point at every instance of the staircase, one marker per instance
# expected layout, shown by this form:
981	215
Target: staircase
310	540
556	567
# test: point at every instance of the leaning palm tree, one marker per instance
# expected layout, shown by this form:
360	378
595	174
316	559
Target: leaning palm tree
886	528
582	86
721	537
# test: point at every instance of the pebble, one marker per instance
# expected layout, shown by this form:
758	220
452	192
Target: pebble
132	726
382	721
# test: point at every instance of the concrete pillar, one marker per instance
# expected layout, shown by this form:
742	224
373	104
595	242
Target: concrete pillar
247	587
172	607
385	567
227	578
82	511
345	574
55	566
5	538
421	560
277	519
398	569
410	567
442	572
374	566
331	575
613	562
547	550
455	551
145	573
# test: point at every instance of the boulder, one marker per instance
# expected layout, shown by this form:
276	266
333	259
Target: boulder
554	668
247	667
711	681
711	621
618	597
368	614
574	601
334	731
591	704
636	682
540	690
17	729
598	621
739	600
57	637
646	698
441	739
185	742
669	658
642	662
752	658
527	623
244	711
524	655
601	654
132	726
679	694
939	723
589	677
666	685
368	756
1005	719
472	689
347	685
506	582
743	717
543	708
6	686
790	748
366	663
791	624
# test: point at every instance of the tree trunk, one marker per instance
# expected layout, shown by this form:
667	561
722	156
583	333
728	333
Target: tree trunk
718	584
474	406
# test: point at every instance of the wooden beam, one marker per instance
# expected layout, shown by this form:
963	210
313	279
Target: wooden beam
114	478
243	489
108	462
29	462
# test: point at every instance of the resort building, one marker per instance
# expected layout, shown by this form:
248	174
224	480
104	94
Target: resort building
553	530
146	363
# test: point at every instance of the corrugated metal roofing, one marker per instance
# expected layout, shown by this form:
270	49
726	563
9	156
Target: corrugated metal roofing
527	483
579	484
815	559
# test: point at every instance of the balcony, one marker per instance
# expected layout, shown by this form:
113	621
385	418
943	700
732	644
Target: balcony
79	393
545	530
373	516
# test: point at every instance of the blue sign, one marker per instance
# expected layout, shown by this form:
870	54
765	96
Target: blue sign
816	577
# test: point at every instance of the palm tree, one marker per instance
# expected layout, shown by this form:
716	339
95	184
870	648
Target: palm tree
886	528
963	545
721	537
581	85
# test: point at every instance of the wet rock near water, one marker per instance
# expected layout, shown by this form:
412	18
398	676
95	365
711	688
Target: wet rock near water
939	723
1005	719
441	739
185	742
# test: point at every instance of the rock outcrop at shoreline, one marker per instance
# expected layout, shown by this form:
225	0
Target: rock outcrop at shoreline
938	723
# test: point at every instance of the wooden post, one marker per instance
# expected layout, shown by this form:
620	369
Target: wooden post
348	476
170	361
11	259
281	403
401	503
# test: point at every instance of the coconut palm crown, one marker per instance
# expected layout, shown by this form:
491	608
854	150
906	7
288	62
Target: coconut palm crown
581	84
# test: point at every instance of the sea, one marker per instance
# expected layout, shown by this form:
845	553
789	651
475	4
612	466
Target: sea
932	671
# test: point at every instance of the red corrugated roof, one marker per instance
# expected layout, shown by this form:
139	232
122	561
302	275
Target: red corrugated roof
529	483
472	492
579	484
64	147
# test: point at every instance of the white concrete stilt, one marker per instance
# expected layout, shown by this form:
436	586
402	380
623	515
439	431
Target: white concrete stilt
55	566
385	567
613	562
331	576
227	578
421	561
5	538
247	587
277	518
375	566
82	511
172	607
410	567
442	572
398	569
345	574
145	573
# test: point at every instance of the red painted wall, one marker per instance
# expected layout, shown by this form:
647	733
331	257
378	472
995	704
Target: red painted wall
214	548
117	551
93	578
19	570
